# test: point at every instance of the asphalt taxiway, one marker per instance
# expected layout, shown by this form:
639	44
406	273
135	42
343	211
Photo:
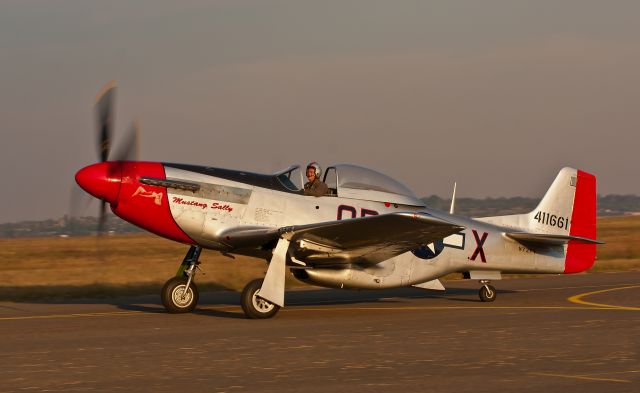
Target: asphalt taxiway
578	333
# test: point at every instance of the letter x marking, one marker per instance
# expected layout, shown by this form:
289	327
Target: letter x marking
480	242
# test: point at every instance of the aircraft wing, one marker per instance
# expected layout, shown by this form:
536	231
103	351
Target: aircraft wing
366	240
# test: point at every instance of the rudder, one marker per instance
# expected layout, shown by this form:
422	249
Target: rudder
567	208
581	256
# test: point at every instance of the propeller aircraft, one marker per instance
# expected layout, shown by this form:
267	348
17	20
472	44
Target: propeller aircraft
368	232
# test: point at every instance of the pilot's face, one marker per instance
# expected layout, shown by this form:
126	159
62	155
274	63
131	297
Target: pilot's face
311	174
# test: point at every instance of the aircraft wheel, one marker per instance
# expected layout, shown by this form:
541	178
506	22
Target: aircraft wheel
487	293
253	305
174	297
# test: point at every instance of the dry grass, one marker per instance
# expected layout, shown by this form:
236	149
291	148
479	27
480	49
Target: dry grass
131	264
622	248
137	264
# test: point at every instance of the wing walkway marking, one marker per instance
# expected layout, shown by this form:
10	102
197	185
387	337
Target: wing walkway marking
578	299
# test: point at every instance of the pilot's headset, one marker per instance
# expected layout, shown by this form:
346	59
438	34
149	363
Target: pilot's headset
315	166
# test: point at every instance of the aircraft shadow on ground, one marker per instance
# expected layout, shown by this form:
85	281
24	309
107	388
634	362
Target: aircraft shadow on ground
389	296
319	298
296	298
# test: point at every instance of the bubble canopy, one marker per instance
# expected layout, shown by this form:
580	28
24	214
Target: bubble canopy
358	182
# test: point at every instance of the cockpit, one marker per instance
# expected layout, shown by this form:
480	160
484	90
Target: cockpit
353	181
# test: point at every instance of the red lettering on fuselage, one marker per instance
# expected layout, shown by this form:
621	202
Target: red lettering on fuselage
216	205
202	205
182	201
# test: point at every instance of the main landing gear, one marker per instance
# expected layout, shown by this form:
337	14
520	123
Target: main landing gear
253	305
487	292
180	293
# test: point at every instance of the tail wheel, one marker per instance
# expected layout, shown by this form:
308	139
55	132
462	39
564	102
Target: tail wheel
177	298
487	293
253	305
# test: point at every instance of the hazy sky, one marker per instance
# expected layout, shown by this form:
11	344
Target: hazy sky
496	95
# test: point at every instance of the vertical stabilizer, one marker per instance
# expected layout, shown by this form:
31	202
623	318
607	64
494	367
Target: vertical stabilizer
554	212
567	208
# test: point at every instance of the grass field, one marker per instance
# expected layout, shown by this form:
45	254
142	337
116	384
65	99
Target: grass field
139	264
131	264
622	248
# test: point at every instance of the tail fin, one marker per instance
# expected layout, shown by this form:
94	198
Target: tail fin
581	256
568	208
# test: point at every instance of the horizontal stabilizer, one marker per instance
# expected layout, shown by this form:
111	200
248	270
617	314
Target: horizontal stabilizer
547	238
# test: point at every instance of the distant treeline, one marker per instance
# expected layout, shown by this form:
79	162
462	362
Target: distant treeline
609	205
66	227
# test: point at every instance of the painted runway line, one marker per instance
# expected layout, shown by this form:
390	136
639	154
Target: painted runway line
583	377
74	315
578	299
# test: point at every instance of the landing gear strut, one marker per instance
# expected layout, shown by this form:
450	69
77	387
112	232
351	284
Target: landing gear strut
487	292
180	293
263	298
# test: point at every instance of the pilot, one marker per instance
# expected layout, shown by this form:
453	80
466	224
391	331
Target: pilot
315	186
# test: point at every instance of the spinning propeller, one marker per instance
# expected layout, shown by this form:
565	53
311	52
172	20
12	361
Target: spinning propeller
128	150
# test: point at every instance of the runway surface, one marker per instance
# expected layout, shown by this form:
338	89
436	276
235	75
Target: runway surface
576	333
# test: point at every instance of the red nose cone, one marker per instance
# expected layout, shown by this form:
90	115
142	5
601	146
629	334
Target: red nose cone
101	180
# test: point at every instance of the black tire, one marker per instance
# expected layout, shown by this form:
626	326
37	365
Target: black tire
487	293
254	306
172	298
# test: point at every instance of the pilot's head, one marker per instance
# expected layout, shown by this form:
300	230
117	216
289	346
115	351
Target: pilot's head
313	171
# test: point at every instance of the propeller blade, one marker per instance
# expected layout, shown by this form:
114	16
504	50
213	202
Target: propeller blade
129	148
79	202
102	220
105	119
